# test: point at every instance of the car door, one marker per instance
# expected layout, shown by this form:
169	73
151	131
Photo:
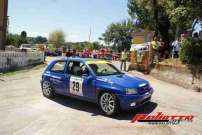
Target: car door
58	76
80	85
88	83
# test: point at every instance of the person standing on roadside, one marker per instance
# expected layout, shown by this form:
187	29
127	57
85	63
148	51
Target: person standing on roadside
94	55
175	48
162	48
155	46
124	57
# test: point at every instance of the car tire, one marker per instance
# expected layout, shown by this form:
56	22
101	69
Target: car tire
47	89
109	103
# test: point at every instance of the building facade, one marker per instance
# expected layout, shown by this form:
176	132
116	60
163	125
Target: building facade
3	22
142	36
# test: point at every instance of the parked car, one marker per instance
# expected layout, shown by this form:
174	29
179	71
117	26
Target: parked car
25	47
96	81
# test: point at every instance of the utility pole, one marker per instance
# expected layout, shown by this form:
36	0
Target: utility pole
89	38
3	23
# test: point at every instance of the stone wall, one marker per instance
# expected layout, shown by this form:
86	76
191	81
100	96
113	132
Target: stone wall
180	75
10	60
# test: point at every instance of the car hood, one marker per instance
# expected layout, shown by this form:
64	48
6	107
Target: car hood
123	80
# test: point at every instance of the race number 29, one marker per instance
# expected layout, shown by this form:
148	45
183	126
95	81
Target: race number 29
76	86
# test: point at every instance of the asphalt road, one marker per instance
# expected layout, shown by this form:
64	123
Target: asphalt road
24	111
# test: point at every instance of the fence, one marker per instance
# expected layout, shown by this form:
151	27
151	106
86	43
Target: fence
10	60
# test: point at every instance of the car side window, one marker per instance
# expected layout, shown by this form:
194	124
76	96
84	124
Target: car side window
59	67
77	68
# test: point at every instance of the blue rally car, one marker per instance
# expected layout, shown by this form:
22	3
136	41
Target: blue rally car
96	81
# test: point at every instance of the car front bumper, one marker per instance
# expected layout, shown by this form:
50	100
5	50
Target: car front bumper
128	102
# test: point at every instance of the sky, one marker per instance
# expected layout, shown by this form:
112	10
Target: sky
74	17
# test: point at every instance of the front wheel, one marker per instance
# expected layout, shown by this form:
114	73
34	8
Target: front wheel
109	103
47	89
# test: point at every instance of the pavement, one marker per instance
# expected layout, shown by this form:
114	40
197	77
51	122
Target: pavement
24	110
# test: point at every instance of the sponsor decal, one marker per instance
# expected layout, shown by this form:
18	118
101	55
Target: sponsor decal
160	118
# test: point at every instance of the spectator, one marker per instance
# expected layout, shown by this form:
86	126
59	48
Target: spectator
77	53
175	48
155	46
80	53
162	48
94	54
68	53
124	57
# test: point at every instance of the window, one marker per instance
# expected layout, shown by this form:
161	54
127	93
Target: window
77	68
104	69
59	67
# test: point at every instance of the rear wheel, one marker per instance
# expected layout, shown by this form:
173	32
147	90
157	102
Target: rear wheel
47	89
109	103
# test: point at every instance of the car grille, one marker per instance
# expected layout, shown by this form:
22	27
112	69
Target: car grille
144	89
144	101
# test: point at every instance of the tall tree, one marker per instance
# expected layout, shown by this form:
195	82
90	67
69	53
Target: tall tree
182	14
57	38
23	38
165	15
119	34
152	15
12	39
23	34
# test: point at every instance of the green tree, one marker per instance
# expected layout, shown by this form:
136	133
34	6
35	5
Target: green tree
23	34
182	14
57	38
152	15
165	15
16	40
39	40
82	45
12	39
23	38
96	45
119	35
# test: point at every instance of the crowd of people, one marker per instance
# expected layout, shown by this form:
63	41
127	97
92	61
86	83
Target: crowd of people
103	53
159	50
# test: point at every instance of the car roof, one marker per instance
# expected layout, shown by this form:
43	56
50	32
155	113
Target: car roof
78	59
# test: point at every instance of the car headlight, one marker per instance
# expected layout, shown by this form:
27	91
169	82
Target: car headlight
131	91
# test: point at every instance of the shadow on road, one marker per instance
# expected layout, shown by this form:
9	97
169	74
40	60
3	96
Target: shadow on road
94	109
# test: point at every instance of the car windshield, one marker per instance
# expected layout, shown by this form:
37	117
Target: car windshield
104	69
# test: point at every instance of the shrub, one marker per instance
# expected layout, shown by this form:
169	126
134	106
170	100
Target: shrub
191	51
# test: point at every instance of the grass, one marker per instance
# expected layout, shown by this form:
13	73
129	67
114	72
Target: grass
23	69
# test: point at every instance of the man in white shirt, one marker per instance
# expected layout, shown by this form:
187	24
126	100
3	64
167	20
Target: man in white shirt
175	48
